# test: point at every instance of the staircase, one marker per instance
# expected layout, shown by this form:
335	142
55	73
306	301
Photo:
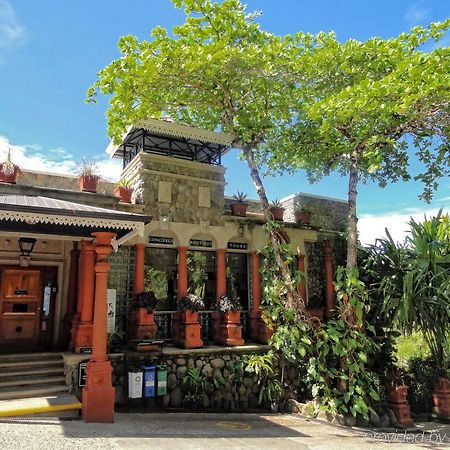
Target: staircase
34	383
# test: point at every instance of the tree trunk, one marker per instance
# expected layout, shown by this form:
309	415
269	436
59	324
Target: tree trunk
352	217
294	300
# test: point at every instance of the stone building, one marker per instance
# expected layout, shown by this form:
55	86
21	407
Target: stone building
71	261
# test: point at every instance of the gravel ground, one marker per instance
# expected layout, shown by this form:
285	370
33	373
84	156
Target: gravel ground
208	431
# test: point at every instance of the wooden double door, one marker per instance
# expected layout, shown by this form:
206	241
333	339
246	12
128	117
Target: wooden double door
27	304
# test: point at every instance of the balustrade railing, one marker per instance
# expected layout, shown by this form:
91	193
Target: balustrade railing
163	320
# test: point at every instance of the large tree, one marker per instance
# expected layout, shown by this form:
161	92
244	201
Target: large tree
219	71
361	106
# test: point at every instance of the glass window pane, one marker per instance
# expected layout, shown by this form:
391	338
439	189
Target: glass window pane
237	277
202	276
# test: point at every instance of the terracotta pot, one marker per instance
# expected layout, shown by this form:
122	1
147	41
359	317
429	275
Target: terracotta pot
239	209
318	313
302	216
230	329
398	394
232	317
277	212
4	178
142	324
124	193
88	183
189	316
441	398
144	317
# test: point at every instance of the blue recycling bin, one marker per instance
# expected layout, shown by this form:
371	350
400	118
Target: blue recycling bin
149	381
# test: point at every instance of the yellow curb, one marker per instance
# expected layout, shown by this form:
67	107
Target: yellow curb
39	409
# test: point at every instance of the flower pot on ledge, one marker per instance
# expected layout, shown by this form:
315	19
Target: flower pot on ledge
186	329
8	173
239	209
230	330
88	183
303	216
142	324
441	398
124	193
277	213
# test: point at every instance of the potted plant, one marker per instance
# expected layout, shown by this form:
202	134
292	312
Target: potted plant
398	399
302	215
239	205
123	190
277	210
187	328
441	398
88	176
8	170
229	328
142	324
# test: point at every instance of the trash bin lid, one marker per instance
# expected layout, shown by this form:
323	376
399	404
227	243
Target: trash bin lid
149	367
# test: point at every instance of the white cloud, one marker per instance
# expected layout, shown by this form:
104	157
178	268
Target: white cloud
416	15
371	227
11	32
58	160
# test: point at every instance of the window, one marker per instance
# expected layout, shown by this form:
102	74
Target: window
237	277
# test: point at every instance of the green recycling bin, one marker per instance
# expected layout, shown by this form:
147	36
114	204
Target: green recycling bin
161	380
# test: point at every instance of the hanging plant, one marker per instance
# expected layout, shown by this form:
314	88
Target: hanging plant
8	170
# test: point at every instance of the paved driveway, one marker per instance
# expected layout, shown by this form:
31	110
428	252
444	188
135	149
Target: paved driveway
206	431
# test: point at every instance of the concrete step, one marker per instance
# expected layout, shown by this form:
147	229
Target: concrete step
18	365
8	393
65	405
32	380
51	371
13	357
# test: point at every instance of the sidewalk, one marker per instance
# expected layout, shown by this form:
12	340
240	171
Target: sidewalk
209	431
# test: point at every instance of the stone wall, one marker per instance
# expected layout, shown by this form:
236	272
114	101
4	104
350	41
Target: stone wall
226	386
186	191
327	213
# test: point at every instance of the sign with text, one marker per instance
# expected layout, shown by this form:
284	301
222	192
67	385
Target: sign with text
160	240
200	243
237	246
111	299
85	350
82	373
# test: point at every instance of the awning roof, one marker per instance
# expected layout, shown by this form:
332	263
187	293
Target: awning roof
35	209
162	136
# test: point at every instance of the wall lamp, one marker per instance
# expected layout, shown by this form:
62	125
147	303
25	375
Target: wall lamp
26	245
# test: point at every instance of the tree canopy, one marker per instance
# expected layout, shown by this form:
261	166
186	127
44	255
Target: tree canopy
360	105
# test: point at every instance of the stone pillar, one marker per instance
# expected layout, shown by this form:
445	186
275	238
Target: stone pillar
86	283
139	273
302	284
221	276
182	282
329	278
255	321
72	292
99	394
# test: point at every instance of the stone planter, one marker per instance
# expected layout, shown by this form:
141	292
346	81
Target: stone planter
188	330
239	209
8	177
124	193
230	329
88	183
302	216
441	398
399	404
277	213
142	324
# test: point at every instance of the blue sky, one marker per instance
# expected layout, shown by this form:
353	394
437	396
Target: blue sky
50	51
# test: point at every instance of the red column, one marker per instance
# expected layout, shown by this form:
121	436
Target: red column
221	278
329	277
302	284
257	328
72	292
139	263
182	282
83	330
98	394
